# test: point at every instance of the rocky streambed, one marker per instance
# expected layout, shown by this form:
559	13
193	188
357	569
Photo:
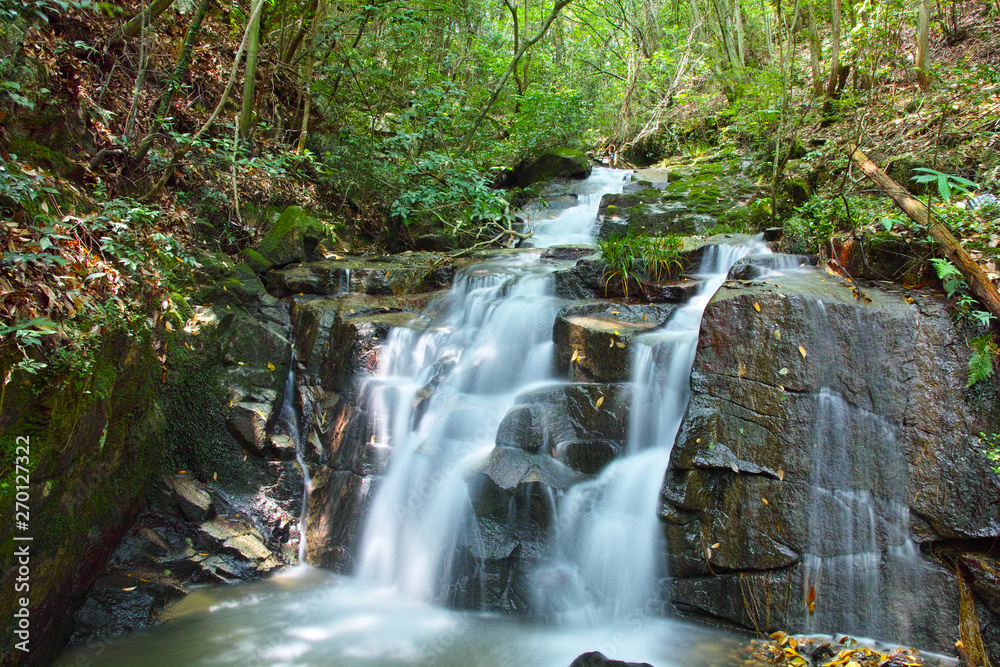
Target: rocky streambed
826	467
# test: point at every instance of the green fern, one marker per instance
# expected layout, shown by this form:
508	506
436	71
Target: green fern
984	352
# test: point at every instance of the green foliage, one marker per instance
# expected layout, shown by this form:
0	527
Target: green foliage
946	183
991	448
629	258
984	348
812	225
984	354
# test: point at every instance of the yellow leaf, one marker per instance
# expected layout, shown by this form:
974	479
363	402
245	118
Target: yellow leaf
615	312
783	371
575	357
168	326
777	334
270	366
616	333
600	402
792	642
620	344
129	589
812	608
716	545
764	500
802	351
777	635
757	307
215	476
644	316
781	474
612	343
708	554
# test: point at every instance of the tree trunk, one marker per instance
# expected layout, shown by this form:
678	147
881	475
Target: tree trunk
556	8
307	82
175	80
740	47
834	81
923	43
304	23
249	76
183	149
815	53
980	285
133	27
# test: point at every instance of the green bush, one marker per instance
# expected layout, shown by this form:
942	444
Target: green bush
629	258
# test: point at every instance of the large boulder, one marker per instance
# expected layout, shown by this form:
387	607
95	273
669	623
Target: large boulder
556	163
828	437
293	237
594	339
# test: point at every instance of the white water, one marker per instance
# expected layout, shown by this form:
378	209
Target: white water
861	563
609	541
288	424
576	224
493	341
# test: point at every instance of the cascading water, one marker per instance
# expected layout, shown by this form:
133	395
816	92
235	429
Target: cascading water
860	562
610	539
439	397
288	424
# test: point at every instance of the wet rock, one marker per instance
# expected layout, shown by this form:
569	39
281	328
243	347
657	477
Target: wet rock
117	604
407	273
544	419
293	237
282	447
753	267
248	424
598	659
593	340
195	503
509	468
588	456
337	508
785	366
557	163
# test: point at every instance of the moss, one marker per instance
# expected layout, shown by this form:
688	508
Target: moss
48	158
294	237
254	260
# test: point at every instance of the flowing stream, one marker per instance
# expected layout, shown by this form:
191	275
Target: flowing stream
438	398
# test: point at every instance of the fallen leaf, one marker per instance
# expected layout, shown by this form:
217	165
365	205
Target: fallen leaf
215	476
802	351
575	357
615	312
812	608
764	500
777	334
708	553
620	344
130	589
783	371
612	343
600	402
781	475
644	316
716	545
812	595
270	366
735	468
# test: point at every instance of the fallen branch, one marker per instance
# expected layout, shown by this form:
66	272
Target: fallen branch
976	278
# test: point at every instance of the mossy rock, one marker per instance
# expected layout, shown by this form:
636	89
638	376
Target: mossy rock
49	159
294	237
254	260
556	163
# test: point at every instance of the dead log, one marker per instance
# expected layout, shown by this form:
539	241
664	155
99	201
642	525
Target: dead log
974	276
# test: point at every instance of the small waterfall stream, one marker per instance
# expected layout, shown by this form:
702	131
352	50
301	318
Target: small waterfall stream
437	400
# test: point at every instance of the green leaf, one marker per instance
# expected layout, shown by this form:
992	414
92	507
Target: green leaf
944	188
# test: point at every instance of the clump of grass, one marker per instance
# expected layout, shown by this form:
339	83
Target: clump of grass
650	258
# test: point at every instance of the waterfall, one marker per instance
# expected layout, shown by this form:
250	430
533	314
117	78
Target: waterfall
438	398
609	540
